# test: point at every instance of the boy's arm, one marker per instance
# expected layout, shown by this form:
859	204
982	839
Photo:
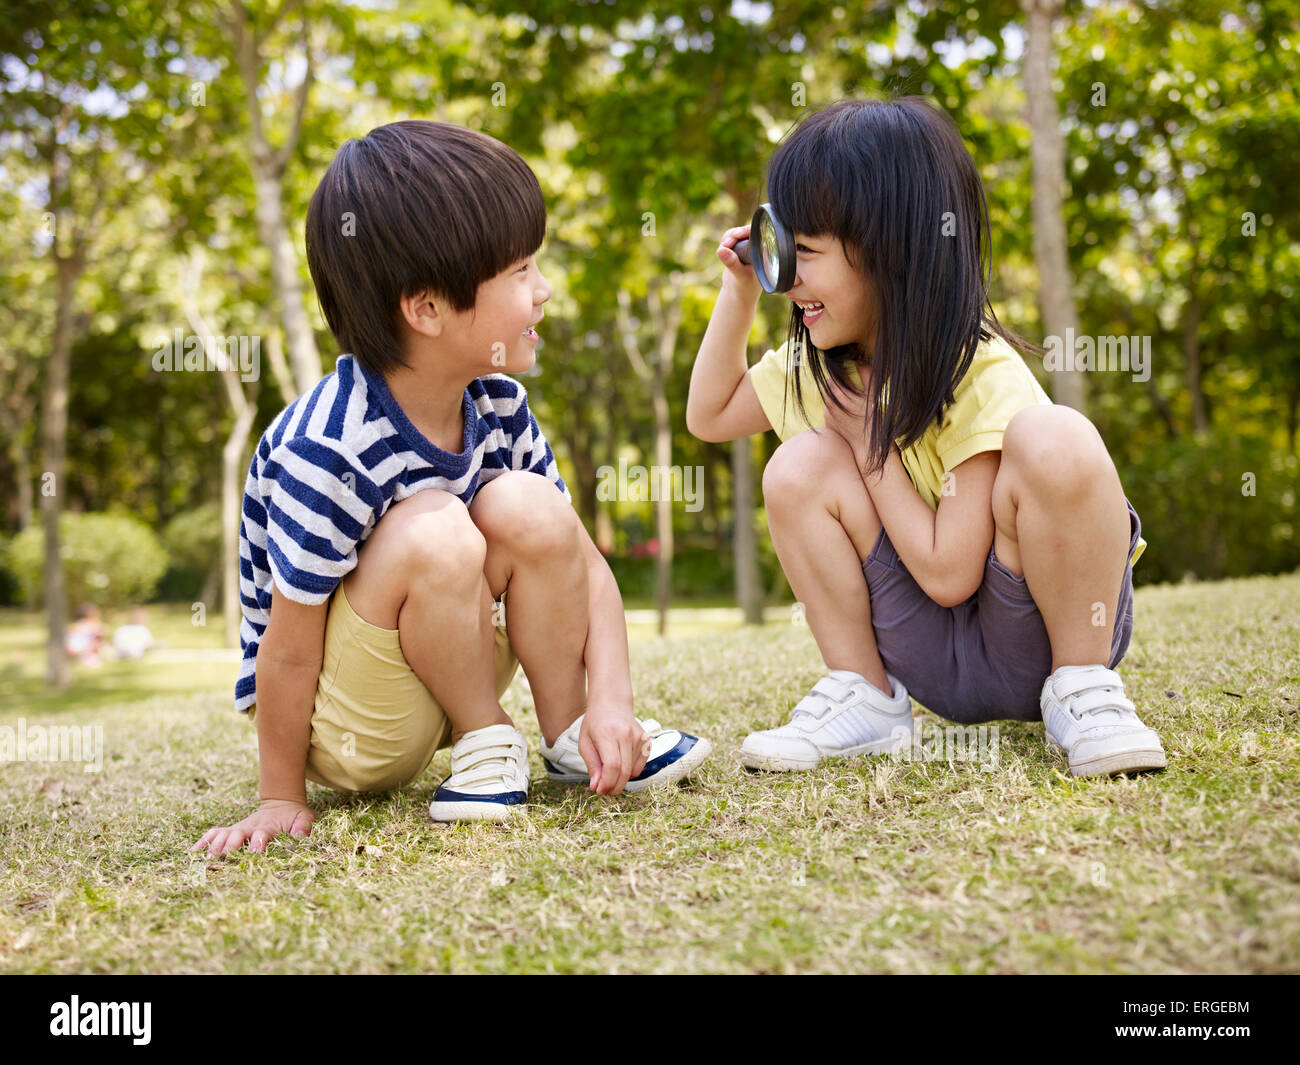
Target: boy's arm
288	669
609	680
619	742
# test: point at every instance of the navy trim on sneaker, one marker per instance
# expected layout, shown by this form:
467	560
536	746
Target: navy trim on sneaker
668	757
501	798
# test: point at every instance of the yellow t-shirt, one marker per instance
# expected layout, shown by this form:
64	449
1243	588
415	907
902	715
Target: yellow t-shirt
997	385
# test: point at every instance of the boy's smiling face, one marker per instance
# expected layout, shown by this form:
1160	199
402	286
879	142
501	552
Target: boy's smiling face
497	334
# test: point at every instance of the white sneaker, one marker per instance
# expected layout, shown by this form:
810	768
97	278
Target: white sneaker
673	755
843	715
489	776
1089	718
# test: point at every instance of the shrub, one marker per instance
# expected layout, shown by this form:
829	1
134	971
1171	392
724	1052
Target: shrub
1224	505
109	559
192	541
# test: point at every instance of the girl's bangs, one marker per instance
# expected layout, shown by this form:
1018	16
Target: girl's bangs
799	185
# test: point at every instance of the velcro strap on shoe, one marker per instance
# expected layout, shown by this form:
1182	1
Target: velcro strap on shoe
1099	699
835	690
488	744
1073	683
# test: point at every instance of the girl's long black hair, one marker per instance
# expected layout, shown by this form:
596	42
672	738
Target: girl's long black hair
892	180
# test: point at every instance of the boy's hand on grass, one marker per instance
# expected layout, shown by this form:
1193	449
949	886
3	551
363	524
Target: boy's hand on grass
273	817
614	746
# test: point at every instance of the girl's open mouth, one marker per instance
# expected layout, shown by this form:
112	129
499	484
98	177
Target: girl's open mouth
812	310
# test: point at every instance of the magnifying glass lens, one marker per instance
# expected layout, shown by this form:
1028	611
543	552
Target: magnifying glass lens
770	251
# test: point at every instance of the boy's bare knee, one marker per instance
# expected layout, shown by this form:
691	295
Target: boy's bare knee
526	514
435	538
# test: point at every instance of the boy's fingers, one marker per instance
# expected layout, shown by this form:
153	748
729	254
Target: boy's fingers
233	841
643	756
591	756
611	768
626	752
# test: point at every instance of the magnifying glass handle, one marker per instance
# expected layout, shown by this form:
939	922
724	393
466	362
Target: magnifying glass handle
742	252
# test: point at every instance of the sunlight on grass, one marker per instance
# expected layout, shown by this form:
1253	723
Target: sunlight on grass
864	865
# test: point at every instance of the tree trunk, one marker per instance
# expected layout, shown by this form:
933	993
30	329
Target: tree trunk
304	357
584	466
1292	404
1056	297
605	536
232	451
232	495
54	449
22	464
712	524
1192	354
663	508
279	366
268	166
744	549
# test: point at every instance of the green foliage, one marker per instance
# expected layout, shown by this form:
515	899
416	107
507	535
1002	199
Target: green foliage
10	594
649	126
1221	505
697	571
192	541
109	559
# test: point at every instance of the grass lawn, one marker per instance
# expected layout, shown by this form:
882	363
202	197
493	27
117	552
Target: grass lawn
904	866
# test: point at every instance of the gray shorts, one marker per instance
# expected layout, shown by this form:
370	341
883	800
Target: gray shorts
984	659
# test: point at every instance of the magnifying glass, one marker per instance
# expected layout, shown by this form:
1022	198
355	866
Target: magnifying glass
775	263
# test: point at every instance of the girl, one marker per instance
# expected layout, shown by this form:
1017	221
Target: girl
952	534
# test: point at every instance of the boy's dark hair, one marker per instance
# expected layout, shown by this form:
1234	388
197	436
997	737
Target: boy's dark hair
415	205
892	180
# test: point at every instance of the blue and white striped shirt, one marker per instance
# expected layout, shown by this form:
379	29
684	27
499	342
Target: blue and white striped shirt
331	464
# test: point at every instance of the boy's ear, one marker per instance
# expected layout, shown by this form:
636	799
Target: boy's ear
424	312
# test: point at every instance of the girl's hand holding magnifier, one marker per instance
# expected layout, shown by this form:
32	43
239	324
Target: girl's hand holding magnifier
740	277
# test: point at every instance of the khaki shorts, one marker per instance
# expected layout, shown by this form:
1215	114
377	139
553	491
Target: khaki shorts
375	725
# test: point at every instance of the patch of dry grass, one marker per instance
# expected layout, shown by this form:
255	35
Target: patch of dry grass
920	866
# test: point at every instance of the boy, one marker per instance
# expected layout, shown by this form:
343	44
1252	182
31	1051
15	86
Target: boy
388	512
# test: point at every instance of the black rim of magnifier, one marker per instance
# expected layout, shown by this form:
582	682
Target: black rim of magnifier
785	256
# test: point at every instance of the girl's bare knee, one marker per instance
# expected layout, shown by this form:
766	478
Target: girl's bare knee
815	464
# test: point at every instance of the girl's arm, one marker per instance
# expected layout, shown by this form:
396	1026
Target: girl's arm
945	550
722	404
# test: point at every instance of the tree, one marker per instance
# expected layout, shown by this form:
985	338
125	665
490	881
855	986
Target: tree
248	36
1056	286
77	99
